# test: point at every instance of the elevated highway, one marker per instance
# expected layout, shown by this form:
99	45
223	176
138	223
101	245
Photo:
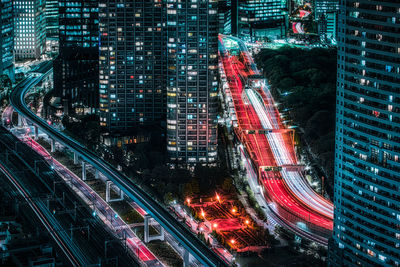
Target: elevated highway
189	241
272	150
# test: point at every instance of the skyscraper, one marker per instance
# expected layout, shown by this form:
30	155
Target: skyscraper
192	43
258	18
325	13
6	39
224	16
51	15
367	166
132	63
76	69
322	7
158	62
29	40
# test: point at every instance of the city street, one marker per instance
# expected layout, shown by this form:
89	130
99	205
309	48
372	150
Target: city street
270	146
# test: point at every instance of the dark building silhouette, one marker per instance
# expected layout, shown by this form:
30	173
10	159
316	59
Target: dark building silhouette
76	69
132	64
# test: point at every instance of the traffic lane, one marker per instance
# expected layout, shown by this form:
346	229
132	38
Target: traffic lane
194	245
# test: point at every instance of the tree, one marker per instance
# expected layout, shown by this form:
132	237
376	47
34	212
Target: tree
168	198
187	190
227	185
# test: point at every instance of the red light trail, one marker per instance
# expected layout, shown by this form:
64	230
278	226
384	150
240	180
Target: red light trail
272	149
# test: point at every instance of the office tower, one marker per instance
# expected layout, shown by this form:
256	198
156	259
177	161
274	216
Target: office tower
224	16
367	166
325	13
76	69
29	40
327	27
6	39
322	7
258	18
132	64
192	43
51	15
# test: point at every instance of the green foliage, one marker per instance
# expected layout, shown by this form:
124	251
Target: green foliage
227	185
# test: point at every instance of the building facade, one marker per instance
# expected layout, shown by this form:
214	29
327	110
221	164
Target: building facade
367	164
7	39
76	69
326	14
259	18
30	29
158	63
321	7
224	16
327	27
192	69
51	15
132	64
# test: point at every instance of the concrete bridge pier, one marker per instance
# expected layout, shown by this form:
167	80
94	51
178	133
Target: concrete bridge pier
108	193
19	120
53	145
186	256
36	129
76	158
147	237
83	170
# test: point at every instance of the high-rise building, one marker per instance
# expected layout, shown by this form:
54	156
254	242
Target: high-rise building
76	69
192	48
158	62
30	26
51	15
367	164
327	27
6	39
259	18
321	7
132	63
325	13
224	16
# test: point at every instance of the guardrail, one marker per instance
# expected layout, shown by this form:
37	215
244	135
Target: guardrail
197	248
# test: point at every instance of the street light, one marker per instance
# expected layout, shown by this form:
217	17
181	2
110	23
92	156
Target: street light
218	198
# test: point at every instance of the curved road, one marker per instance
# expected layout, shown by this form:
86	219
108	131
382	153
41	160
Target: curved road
197	248
294	180
297	203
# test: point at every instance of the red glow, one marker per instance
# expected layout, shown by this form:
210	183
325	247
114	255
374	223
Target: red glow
237	70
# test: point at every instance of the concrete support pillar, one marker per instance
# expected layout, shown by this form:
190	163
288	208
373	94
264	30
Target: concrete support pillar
147	237
76	158
108	193
36	132
53	145
19	120
186	256
162	233
108	183
146	228
83	170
